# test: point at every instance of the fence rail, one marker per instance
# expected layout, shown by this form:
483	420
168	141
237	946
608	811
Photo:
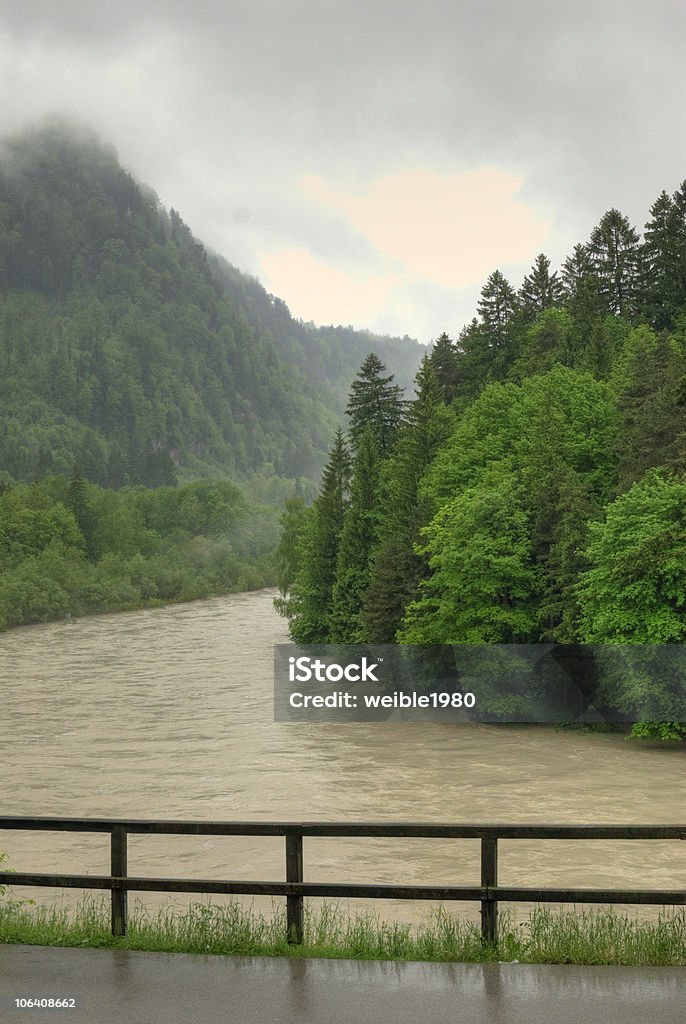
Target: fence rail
295	889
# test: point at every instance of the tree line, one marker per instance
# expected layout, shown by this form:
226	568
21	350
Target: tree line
69	547
534	488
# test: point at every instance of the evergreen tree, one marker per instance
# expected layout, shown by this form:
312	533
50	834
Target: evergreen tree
663	262
582	298
488	345
79	503
397	568
548	340
287	554
647	381
357	541
497	307
540	289
312	592
374	402
445	360
614	253
560	503
577	273
475	360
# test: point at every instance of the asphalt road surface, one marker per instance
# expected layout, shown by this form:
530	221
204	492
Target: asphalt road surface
111	986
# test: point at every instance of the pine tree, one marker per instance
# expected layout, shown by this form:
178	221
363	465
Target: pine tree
663	259
547	341
497	307
397	569
646	380
540	289
374	402
581	296
577	271
357	542
311	597
559	504
293	521
80	504
445	360
614	253
475	359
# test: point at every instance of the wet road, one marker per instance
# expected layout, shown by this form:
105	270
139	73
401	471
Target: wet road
165	988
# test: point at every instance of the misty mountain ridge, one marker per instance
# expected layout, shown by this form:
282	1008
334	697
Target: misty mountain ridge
128	349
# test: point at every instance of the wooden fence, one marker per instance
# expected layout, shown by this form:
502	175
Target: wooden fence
295	889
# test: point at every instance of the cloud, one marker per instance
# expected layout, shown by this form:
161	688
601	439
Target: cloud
451	229
319	291
437	141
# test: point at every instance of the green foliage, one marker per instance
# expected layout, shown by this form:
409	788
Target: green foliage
647	378
374	404
505	422
551	438
498	519
483	584
634	590
358	539
396	568
445	362
547	342
599	936
144	547
615	257
540	289
286	556
663	254
125	350
311	596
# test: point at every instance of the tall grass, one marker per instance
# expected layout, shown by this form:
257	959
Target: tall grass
588	937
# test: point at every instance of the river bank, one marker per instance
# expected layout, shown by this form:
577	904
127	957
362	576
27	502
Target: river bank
598	936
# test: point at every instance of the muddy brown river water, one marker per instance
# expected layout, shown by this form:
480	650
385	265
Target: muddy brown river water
168	713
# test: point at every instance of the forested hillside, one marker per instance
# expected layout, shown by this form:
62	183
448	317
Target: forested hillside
535	488
129	351
131	360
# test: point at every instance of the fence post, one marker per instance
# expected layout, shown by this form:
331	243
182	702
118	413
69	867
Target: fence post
489	878
118	869
294	873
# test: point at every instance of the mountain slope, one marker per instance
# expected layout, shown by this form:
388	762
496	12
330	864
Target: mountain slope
125	349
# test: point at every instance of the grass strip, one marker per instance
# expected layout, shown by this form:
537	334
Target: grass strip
597	936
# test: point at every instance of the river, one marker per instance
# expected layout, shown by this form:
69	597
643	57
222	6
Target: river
168	713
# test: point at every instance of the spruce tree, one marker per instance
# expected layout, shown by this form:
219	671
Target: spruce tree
311	597
357	541
577	272
614	252
79	503
581	296
663	270
540	289
497	307
397	568
646	380
559	503
496	341
287	554
374	402
445	360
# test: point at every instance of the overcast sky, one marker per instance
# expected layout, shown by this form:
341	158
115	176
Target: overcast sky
370	163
